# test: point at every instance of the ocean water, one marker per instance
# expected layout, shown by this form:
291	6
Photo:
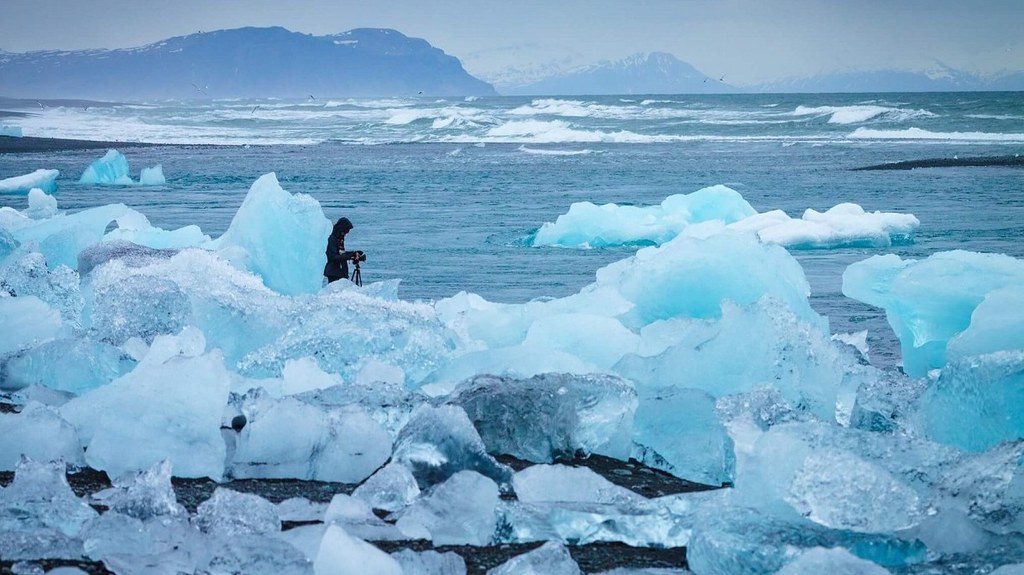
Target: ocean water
444	194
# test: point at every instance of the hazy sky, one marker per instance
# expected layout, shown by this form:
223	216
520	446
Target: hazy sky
747	41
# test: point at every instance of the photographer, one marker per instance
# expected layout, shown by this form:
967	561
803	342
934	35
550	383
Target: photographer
337	257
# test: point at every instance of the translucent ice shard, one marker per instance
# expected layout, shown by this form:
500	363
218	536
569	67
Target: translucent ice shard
343	554
438	442
460	511
39	433
229	513
391	488
145	495
543	417
551	558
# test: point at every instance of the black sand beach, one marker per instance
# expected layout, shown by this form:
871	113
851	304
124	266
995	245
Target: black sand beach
26	144
955	162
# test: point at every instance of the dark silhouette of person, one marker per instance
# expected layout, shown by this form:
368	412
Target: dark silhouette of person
337	257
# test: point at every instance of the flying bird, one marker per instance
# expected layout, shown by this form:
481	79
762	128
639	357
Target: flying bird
200	90
312	98
254	108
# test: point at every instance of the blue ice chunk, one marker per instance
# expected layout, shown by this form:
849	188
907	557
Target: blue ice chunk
279	236
145	495
131	254
391	488
229	513
430	562
438	442
677	430
589	225
779	349
176	386
40	205
551	558
111	169
27	321
931	301
25	273
838	561
740	541
976	403
10	131
45	180
72	365
142	306
252	555
41	498
39	433
995	326
459	511
885	404
152	176
547	416
323	443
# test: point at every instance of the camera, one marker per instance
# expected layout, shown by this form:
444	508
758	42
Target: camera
359	256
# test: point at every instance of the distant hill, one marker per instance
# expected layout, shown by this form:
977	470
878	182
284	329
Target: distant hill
940	79
244	62
654	73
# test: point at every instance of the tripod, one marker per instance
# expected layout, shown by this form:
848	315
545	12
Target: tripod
357	274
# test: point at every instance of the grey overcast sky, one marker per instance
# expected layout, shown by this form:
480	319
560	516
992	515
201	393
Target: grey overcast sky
747	41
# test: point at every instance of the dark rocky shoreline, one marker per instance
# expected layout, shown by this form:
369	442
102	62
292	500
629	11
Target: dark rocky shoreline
592	558
955	162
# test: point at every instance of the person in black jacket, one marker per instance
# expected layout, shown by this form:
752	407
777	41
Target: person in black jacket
337	257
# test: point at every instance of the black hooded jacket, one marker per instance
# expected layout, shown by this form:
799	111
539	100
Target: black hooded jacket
337	257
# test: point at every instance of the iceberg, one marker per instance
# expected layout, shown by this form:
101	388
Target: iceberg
10	131
844	225
929	302
45	180
112	169
278	236
589	225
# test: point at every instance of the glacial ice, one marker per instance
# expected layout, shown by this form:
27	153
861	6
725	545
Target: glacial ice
40	205
831	460
10	131
586	225
279	236
45	180
589	225
547	416
112	169
39	433
931	301
551	558
229	513
459	511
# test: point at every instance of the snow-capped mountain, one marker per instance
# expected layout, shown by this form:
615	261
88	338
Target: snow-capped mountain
653	73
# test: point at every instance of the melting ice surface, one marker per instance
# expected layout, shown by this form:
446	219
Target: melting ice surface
133	349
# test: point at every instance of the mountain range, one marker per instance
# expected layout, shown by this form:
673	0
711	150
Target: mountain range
369	62
244	62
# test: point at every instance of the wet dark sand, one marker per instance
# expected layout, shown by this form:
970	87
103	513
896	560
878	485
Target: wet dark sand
592	558
26	144
1005	161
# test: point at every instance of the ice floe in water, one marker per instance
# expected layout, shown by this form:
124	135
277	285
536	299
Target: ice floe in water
43	180
138	351
112	169
586	225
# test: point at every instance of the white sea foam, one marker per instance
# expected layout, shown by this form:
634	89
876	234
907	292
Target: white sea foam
861	113
919	134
